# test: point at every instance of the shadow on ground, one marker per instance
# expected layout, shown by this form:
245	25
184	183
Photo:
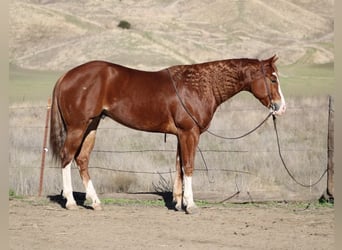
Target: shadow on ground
80	199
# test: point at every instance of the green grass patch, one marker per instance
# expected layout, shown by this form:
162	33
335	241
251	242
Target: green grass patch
301	79
30	85
292	205
127	202
12	195
295	206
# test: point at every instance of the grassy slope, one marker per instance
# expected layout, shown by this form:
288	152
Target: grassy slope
33	86
30	85
307	79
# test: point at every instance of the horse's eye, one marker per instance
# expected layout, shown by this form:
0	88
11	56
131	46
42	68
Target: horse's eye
273	79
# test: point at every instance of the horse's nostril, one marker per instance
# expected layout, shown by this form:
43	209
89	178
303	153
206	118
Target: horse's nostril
284	108
275	106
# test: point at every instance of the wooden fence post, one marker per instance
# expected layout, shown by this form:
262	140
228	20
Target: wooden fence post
44	150
330	152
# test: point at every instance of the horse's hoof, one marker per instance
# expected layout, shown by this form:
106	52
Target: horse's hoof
178	207
71	206
192	210
97	207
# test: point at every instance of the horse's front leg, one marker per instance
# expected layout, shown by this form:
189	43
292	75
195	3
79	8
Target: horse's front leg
188	143
178	184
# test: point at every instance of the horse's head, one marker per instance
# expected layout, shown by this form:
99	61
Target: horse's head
265	86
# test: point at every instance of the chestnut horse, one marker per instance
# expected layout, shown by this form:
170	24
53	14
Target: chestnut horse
180	100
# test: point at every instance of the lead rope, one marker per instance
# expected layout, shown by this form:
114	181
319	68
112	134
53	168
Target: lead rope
285	166
241	136
278	143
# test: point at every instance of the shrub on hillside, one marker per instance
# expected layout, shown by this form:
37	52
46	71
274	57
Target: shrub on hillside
124	24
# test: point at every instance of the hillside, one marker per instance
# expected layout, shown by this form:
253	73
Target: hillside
58	35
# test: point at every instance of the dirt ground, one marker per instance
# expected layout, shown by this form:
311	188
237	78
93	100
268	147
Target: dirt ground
42	223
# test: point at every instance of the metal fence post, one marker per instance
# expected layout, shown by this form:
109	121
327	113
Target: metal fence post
44	149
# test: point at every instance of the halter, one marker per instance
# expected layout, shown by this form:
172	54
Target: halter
269	94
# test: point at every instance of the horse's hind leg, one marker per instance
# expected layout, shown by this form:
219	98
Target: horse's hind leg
67	187
71	145
82	160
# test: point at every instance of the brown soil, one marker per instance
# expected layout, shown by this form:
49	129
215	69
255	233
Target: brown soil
41	223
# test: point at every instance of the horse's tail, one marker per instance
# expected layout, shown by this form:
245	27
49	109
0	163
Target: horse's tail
57	127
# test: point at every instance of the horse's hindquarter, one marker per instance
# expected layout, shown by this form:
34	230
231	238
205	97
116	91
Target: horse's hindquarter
80	93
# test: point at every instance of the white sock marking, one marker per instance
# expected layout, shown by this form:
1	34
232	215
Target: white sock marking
188	198
67	185
91	193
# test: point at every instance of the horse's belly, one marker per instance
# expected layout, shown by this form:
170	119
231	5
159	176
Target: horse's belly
144	118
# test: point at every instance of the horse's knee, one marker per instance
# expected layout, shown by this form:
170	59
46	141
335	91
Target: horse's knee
66	158
67	153
188	170
82	164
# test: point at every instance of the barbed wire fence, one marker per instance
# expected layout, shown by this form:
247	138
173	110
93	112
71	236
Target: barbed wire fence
125	160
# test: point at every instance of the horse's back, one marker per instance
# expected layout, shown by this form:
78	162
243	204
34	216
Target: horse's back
135	98
109	75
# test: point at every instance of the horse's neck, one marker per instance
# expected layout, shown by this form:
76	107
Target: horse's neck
226	80
222	78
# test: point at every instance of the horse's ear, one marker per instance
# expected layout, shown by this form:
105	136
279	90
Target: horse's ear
274	58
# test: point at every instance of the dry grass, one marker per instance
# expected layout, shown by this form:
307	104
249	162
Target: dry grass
250	165
60	35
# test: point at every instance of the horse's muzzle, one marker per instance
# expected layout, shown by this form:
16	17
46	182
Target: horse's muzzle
278	109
